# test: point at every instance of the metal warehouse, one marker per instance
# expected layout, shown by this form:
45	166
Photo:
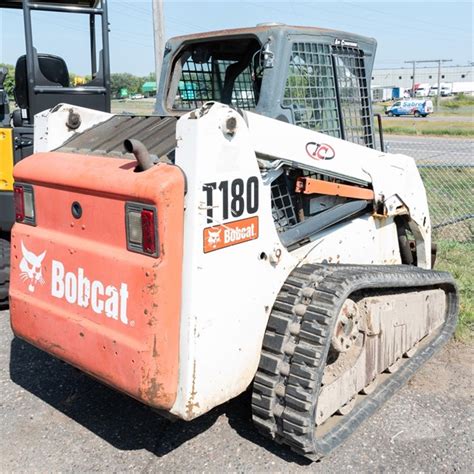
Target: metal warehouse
403	77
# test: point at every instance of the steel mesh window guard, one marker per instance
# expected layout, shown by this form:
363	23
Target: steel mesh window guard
203	82
353	95
310	90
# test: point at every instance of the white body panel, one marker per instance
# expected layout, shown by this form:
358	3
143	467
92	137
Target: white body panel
51	130
228	293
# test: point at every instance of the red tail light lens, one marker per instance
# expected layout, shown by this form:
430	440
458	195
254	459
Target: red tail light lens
19	203
142	225
24	203
148	231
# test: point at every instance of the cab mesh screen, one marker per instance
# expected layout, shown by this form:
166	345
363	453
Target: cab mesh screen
326	89
203	82
310	90
353	95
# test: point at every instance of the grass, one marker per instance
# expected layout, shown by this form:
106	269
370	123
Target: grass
459	101
450	193
458	259
138	107
419	126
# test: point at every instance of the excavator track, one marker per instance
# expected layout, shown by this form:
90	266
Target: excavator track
290	377
4	270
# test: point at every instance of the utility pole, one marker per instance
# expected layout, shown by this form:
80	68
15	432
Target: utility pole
159	34
439	79
439	61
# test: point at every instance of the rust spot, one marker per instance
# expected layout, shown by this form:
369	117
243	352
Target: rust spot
152	390
152	321
191	405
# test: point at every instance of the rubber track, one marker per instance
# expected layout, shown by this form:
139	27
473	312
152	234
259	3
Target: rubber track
297	340
4	270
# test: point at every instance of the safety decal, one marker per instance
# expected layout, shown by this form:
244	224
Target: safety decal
320	151
230	233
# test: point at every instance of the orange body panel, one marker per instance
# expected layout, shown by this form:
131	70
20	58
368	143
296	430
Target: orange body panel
319	186
137	352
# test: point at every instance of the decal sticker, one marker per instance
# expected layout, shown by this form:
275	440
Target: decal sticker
234	197
30	268
320	151
79	290
231	233
75	287
343	42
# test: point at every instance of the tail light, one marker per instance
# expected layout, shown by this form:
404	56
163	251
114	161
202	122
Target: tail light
24	204
142	229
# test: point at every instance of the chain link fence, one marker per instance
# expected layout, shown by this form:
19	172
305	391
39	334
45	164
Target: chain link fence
447	168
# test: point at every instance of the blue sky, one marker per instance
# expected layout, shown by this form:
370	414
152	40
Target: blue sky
405	30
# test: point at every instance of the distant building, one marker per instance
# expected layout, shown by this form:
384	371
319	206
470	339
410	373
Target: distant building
149	89
403	77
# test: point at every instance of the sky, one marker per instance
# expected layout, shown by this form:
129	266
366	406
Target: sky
405	30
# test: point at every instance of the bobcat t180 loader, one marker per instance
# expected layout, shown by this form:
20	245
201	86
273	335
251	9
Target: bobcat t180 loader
183	257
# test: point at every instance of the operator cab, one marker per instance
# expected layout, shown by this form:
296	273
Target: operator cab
311	77
43	80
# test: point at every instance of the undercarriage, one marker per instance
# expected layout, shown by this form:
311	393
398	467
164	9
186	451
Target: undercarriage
342	339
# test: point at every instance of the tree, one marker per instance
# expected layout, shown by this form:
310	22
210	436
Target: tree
9	83
124	80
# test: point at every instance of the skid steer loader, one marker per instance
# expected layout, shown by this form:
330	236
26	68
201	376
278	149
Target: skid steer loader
249	234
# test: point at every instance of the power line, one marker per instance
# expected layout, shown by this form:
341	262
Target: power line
439	61
409	20
361	18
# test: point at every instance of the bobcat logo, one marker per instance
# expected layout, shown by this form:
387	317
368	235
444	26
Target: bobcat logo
30	267
214	237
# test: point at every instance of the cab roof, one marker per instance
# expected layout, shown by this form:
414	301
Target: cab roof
269	27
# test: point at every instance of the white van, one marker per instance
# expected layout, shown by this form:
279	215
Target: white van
416	107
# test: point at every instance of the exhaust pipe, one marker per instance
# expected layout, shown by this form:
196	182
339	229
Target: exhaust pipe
140	152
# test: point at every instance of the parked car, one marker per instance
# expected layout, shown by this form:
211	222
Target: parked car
137	96
416	107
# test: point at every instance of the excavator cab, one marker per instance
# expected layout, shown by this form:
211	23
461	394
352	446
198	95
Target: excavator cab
42	81
311	77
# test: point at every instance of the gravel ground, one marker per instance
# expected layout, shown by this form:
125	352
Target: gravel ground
54	418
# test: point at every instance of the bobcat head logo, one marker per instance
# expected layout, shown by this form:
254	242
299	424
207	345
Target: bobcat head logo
213	237
30	267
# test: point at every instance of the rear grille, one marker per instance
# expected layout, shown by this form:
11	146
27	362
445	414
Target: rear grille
158	134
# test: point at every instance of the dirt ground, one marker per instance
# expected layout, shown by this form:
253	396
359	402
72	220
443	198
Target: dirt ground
54	418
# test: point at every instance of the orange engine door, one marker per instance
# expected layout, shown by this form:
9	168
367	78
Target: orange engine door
76	290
